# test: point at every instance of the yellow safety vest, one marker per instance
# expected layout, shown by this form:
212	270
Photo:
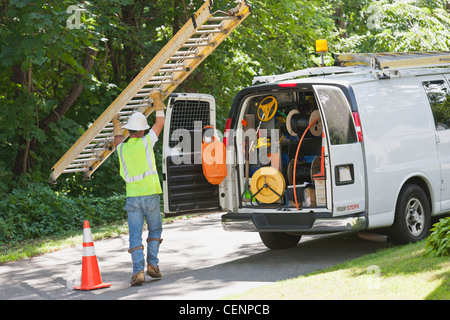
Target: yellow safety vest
137	167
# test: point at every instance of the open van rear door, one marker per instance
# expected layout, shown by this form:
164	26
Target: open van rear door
344	159
184	186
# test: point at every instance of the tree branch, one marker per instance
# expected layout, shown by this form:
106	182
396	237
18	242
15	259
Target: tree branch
74	92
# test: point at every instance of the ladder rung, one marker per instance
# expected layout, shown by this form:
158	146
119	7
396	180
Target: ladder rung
139	95
81	155
188	52
149	89
186	57
176	64
76	170
93	148
162	77
200	44
86	160
134	106
101	134
212	26
123	113
222	18
138	100
77	165
173	70
207	38
209	31
152	83
103	139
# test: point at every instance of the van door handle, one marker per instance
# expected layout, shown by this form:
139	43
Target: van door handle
345	174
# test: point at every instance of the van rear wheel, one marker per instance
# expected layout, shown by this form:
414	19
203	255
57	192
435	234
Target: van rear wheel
412	216
279	240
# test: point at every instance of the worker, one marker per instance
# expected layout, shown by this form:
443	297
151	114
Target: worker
138	169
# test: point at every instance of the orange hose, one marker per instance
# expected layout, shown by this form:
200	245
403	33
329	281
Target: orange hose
296	155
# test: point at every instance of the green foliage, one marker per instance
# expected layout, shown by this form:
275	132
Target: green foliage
36	210
395	26
438	243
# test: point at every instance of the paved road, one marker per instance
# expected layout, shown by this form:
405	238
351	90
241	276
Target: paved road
199	261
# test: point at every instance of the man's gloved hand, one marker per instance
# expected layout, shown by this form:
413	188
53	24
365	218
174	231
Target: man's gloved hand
118	131
158	104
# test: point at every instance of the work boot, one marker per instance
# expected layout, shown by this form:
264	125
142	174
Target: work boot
138	278
153	271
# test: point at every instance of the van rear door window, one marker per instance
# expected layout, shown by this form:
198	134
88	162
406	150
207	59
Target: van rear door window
337	115
439	96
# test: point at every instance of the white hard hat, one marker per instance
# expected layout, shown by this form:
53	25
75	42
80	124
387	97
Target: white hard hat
137	122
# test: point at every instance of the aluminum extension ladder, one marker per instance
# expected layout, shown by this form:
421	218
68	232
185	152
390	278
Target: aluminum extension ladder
196	40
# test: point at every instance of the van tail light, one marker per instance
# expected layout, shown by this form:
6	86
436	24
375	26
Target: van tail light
358	126
287	85
226	134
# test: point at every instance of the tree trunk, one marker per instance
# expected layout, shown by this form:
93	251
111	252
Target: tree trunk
23	161
340	22
129	42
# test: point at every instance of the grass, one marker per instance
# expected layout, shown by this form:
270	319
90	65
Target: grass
402	273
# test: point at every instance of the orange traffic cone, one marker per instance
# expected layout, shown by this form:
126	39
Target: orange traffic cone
90	273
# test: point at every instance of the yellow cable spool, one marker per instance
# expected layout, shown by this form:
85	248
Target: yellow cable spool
267	185
267	108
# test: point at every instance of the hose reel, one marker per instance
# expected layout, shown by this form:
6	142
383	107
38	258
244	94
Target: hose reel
267	108
267	185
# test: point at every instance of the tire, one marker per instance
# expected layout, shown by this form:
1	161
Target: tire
279	240
412	216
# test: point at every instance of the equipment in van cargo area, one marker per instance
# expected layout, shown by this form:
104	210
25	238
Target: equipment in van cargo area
283	117
268	185
213	157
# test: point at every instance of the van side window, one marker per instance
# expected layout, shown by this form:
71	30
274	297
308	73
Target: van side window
337	115
439	97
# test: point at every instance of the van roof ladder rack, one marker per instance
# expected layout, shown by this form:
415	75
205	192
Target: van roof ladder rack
366	62
196	40
394	59
322	71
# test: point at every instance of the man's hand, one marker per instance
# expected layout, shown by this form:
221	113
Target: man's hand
118	131
158	104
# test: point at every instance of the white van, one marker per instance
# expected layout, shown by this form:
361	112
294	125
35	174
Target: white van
378	155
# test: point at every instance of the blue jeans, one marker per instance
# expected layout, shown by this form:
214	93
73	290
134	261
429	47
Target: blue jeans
139	208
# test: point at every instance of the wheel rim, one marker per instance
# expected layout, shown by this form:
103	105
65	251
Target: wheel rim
415	217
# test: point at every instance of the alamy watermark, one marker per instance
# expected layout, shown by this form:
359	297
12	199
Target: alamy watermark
374	279
260	145
74	20
375	18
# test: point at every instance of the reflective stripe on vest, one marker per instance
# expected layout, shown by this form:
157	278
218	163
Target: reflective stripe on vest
149	172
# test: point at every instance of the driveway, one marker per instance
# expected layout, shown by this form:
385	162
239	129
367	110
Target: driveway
198	259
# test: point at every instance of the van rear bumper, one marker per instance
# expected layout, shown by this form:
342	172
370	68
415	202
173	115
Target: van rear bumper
301	223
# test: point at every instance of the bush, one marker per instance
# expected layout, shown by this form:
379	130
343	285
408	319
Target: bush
36	211
438	243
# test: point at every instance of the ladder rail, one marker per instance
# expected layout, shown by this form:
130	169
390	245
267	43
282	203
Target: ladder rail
159	74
